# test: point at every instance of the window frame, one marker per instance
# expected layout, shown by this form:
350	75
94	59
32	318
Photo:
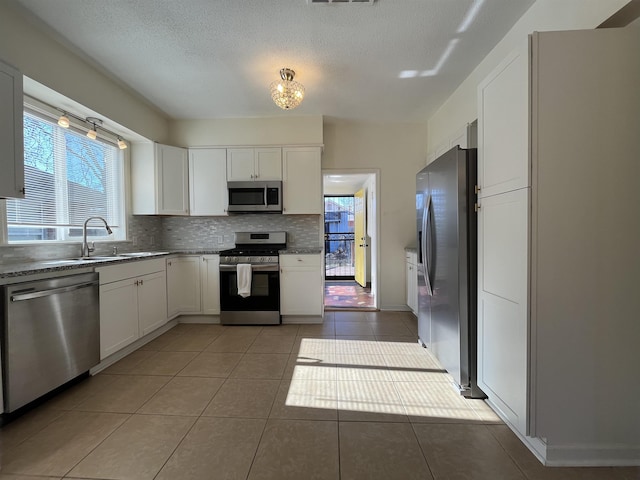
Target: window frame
121	207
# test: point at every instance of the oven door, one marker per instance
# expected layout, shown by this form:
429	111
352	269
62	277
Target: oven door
262	307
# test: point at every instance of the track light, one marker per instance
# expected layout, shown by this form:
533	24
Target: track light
93	133
121	144
63	121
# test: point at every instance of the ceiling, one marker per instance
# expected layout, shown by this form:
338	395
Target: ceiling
392	60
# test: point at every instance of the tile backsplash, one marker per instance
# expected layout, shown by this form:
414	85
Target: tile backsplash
171	233
217	232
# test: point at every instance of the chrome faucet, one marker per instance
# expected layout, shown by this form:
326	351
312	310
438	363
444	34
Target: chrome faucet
86	249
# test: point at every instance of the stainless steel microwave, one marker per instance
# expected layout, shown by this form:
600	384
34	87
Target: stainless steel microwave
255	197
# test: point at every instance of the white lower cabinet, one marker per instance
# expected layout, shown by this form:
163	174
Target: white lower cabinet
411	268
210	284
132	303
183	285
193	285
301	285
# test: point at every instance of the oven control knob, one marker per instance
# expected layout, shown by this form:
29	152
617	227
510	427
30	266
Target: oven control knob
261	259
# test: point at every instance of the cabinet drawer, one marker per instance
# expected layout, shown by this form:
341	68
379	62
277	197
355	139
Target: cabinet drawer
300	260
113	273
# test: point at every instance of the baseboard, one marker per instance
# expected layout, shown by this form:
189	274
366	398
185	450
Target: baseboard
575	455
593	456
395	308
301	319
208	319
120	354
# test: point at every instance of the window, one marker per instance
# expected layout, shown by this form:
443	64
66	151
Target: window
68	178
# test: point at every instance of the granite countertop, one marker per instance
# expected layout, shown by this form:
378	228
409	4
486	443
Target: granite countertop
56	266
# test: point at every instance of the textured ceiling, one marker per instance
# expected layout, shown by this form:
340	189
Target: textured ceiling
216	58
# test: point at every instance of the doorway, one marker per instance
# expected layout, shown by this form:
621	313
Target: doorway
350	224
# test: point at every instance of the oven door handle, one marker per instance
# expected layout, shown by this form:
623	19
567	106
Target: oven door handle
263	267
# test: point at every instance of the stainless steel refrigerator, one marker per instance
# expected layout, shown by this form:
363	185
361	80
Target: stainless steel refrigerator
447	254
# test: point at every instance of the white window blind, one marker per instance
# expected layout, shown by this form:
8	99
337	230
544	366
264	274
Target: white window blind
68	178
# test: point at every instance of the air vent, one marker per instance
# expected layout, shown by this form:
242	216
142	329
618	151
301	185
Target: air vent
338	2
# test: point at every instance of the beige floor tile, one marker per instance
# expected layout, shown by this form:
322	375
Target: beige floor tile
319	366
220	448
354	328
465	451
246	398
164	363
327	328
435	402
390	345
261	365
213	329
357	345
26	426
297	449
226	343
187	396
124	366
126	394
190	342
384	451
277	330
306	399
62	444
211	364
485	413
74	396
26	477
157	344
272	344
362	367
393	327
369	402
416	368
534	470
311	345
248	331
346	317
136	450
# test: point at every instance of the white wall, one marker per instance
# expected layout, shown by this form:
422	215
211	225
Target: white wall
544	15
398	150
285	130
41	58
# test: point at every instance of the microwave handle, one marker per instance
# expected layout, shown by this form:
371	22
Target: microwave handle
265	196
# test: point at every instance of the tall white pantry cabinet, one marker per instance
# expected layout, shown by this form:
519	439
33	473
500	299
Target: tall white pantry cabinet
559	245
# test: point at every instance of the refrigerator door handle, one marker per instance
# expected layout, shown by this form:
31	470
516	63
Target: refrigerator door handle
426	255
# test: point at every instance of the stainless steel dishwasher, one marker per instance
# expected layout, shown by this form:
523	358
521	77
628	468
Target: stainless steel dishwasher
50	335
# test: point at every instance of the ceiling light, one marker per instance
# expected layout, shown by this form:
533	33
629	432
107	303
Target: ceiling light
63	121
287	93
121	144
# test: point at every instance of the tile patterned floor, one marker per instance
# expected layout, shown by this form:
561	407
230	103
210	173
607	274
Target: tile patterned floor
347	294
354	398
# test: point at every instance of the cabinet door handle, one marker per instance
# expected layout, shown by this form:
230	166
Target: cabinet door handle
136	282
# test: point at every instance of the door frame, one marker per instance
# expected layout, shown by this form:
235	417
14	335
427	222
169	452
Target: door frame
372	213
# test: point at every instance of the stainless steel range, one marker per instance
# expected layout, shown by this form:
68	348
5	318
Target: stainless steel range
262	305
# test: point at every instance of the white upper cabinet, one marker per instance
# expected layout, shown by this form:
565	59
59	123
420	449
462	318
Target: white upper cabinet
208	182
302	180
502	127
249	164
160	179
11	133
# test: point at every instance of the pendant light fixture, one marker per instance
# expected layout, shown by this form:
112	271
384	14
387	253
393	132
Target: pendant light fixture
93	133
287	93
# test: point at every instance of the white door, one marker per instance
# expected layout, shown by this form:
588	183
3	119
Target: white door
302	180
210	284
240	164
183	285
173	181
268	163
118	316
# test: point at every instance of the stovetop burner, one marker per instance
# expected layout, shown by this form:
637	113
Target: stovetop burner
255	247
